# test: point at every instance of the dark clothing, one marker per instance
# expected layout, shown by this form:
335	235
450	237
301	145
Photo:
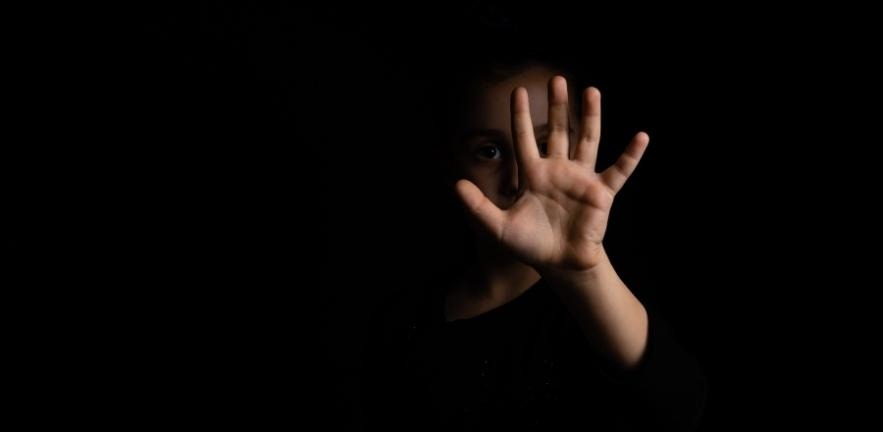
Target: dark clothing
525	365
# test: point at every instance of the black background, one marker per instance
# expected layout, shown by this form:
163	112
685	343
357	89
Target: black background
269	182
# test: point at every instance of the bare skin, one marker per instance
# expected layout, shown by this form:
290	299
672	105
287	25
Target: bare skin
544	213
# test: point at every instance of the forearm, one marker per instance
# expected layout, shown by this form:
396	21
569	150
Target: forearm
611	317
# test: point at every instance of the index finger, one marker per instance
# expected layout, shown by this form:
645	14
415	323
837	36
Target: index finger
526	151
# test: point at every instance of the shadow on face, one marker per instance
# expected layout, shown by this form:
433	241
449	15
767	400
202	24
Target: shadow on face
483	151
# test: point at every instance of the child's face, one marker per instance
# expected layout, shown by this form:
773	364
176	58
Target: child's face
485	156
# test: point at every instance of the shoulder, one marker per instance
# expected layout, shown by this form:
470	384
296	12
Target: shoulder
401	313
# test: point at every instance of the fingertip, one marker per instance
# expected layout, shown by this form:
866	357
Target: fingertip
591	100
558	82
461	185
519	98
639	144
464	190
558	89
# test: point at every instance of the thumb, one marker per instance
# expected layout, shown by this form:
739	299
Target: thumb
480	206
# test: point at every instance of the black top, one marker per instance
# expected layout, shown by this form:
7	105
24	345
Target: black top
525	365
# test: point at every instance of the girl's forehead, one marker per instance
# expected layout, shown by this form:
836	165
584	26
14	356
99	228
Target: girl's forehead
491	102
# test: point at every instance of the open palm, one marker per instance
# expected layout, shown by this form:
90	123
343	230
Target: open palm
561	214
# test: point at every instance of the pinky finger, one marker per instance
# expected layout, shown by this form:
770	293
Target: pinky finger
616	175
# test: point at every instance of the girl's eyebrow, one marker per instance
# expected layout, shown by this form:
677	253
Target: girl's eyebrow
486	133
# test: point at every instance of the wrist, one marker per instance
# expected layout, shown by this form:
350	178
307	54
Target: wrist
596	269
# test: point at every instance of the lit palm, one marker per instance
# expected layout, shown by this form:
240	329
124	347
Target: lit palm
560	217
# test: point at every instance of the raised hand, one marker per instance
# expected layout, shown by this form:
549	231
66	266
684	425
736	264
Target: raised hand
560	217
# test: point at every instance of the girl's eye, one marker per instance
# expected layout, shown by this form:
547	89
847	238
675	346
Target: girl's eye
488	152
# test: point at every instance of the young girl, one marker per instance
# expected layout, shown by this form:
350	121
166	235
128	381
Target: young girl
538	331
